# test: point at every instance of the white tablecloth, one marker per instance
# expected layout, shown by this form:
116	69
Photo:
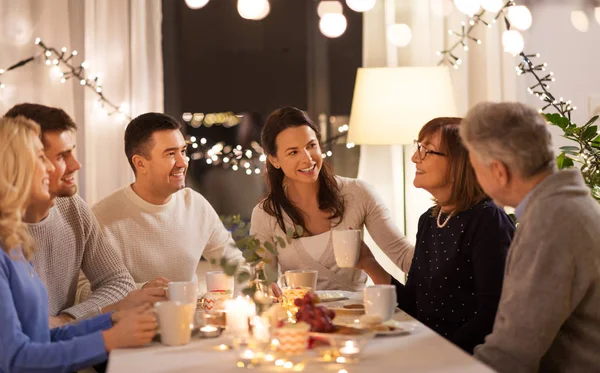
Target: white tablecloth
421	351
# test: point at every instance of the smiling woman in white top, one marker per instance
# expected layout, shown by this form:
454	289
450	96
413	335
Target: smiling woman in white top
304	192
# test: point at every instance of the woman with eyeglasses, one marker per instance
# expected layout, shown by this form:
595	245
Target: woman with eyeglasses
455	279
303	191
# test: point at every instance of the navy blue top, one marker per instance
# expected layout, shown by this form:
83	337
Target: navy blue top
26	342
455	279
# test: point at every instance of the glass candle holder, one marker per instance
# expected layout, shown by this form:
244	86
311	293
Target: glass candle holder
349	352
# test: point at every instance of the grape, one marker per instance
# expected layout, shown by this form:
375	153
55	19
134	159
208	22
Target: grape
318	317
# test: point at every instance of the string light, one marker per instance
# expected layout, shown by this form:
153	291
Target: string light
63	68
450	56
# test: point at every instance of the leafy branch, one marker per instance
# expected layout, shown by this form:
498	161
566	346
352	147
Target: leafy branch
256	271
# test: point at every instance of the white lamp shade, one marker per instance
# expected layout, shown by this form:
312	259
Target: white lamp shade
390	105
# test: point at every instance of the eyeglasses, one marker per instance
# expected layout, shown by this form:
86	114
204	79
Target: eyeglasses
422	151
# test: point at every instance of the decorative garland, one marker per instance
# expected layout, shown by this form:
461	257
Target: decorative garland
66	69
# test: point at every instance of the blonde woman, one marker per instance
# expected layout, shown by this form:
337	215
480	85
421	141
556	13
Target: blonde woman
27	343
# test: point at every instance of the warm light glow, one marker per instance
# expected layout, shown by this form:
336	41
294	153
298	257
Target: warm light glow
492	5
187	117
513	42
468	7
361	5
253	9
333	25
288	365
203	141
329	7
85	64
399	34
382	95
580	21
196	4
597	14
519	17
442	8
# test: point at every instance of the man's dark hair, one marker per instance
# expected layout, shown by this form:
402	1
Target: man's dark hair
50	119
138	135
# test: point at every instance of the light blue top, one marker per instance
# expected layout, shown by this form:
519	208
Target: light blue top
26	342
521	206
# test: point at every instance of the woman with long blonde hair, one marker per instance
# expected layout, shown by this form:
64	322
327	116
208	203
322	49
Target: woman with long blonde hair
27	342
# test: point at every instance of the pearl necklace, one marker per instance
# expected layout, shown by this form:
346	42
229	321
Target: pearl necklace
442	225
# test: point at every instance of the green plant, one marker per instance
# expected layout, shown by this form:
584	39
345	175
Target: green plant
585	152
256	271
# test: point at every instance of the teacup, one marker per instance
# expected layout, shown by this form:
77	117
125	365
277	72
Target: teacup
346	247
183	291
175	321
380	300
214	301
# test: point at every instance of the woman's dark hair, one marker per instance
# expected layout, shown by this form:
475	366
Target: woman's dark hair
466	191
277	202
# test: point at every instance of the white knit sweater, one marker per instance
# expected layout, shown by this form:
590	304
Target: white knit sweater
164	240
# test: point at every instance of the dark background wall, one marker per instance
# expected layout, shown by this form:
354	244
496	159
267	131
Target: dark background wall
217	61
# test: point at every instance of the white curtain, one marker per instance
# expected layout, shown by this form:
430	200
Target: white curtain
487	73
121	40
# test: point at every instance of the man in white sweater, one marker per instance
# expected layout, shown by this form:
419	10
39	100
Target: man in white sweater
67	236
161	227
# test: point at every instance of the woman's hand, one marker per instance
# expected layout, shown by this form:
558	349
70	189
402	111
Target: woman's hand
368	263
134	327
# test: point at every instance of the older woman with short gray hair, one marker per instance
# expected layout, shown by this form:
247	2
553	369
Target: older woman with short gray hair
548	319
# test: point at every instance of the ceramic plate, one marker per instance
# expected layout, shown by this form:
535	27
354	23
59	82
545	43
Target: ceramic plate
348	306
396	328
329	294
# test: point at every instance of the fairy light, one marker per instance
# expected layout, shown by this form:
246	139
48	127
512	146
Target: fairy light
63	67
466	34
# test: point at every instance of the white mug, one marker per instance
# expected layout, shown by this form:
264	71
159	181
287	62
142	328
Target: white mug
346	247
219	281
175	322
183	291
300	278
380	300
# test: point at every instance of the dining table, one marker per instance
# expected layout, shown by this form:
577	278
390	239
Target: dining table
419	350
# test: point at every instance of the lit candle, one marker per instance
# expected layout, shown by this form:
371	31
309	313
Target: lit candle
246	357
237	315
349	352
209	331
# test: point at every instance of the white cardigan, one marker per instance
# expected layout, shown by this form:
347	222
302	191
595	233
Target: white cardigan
363	207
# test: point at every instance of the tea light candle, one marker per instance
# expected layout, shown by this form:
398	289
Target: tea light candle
246	357
209	331
350	351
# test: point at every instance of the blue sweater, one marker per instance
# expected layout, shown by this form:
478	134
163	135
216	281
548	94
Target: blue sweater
455	279
26	342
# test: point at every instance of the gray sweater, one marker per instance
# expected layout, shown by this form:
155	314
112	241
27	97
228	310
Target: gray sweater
549	314
67	241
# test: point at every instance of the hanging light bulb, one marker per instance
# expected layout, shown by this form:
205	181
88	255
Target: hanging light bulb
513	42
361	5
442	8
333	25
399	34
519	17
196	4
468	7
253	9
493	6
580	21
329	7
